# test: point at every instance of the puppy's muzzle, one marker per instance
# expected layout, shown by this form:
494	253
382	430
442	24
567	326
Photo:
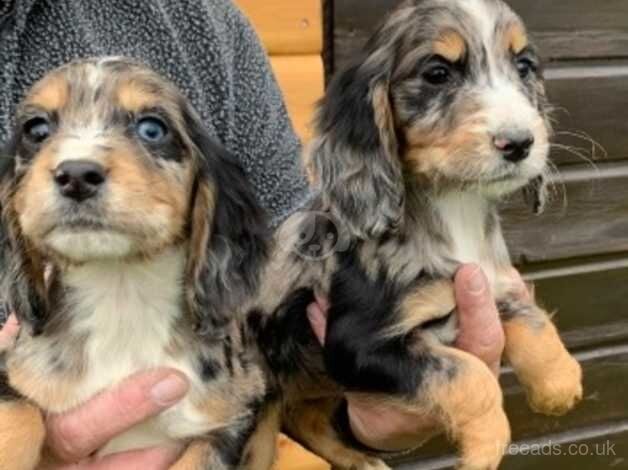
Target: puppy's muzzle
79	179
514	145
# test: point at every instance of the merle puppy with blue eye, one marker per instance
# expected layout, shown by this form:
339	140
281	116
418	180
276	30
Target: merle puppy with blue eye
441	117
128	240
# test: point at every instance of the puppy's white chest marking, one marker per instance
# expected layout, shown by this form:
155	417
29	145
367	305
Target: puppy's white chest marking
127	313
464	216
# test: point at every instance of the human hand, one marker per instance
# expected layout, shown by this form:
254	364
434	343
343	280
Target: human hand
386	428
74	436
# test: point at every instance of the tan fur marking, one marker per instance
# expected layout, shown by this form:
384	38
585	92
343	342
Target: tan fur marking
201	219
516	38
384	119
136	188
218	410
194	457
46	390
551	376
261	448
471	408
451	46
22	434
381	106
31	192
204	204
444	151
52	94
133	97
224	408
428	302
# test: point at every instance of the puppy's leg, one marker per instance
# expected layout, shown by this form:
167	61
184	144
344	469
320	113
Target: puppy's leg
261	449
311	424
467	397
196	457
403	355
551	376
22	434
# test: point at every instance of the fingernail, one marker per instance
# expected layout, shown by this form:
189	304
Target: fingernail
169	390
476	285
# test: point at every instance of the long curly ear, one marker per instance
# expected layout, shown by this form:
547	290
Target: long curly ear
354	157
22	286
535	194
229	236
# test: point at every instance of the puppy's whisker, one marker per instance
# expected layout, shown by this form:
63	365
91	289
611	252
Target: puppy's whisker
556	186
595	145
577	152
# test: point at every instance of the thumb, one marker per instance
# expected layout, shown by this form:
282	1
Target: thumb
481	333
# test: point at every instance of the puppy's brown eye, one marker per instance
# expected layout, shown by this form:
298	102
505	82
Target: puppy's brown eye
152	130
37	130
525	67
437	75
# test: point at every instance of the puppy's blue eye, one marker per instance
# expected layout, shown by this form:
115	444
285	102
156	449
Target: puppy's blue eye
37	130
151	129
525	67
437	75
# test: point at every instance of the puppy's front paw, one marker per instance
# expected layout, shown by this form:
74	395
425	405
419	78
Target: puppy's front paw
485	441
559	390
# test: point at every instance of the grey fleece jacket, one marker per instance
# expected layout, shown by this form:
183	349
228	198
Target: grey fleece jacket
207	47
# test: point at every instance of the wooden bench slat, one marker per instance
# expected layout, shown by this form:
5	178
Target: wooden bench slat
577	29
590	100
590	306
287	26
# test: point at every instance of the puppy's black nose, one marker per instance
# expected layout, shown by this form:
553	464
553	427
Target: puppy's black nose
514	146
79	179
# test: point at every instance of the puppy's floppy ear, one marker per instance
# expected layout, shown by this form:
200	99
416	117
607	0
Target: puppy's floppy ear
535	194
355	157
22	286
229	236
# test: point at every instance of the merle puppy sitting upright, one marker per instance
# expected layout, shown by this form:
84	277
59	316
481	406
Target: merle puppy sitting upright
128	241
441	117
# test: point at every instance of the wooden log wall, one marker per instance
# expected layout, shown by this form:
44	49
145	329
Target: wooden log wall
292	32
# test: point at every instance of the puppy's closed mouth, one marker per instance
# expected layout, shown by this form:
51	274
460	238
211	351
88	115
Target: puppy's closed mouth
79	223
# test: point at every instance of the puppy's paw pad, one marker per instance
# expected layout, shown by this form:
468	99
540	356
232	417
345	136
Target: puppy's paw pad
559	392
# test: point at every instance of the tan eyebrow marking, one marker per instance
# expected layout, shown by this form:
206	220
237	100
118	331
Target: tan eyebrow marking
52	94
450	45
132	96
516	38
